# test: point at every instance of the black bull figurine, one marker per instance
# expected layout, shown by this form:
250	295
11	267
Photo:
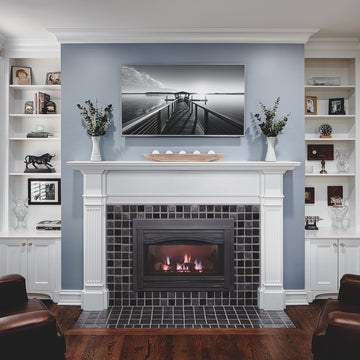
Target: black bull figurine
40	160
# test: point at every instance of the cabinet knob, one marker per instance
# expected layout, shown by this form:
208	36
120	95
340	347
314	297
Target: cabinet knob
342	244
335	244
23	244
30	244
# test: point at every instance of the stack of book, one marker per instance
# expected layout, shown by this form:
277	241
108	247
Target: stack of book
40	101
38	134
49	225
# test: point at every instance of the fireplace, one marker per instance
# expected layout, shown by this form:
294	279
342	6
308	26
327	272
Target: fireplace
183	254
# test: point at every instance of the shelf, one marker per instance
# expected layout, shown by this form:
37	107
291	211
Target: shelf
44	116
329	116
330	233
308	138
330	175
36	234
34	139
41	175
333	88
36	87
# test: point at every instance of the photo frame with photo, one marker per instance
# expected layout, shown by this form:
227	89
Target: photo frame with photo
337	106
309	195
310	105
44	191
53	78
20	75
320	152
334	192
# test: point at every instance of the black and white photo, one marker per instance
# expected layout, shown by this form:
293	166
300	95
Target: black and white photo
310	105
183	100
20	75
53	78
336	106
44	192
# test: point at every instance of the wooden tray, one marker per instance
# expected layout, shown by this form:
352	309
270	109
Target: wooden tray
185	157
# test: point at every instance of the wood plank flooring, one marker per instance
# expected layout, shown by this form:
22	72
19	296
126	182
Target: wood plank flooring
189	344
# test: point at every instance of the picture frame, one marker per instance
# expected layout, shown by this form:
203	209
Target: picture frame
320	152
334	192
44	191
309	195
337	106
53	78
21	75
310	105
183	99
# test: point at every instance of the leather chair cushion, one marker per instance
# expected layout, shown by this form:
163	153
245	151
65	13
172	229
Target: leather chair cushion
29	306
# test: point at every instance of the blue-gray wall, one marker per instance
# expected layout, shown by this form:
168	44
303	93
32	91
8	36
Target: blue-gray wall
93	71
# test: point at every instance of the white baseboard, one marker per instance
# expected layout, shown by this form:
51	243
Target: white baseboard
296	297
70	297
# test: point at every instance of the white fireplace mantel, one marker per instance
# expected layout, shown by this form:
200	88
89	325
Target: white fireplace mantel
146	182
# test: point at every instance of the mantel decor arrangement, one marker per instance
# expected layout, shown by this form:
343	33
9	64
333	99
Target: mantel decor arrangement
97	120
271	127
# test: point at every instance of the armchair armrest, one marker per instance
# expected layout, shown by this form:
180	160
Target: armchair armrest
12	291
350	289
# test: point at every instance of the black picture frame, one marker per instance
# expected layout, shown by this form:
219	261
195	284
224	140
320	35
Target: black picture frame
320	152
44	191
21	75
337	106
309	195
53	78
334	192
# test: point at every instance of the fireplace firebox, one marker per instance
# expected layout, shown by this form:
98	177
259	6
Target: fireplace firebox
183	254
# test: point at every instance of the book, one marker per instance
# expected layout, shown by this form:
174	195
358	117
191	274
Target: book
49	225
38	134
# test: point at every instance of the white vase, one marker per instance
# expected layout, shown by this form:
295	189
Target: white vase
95	154
270	154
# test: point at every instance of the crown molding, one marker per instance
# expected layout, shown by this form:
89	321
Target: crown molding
192	35
28	47
333	47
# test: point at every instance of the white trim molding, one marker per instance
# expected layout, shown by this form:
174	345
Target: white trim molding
139	182
191	35
31	48
70	297
296	297
323	47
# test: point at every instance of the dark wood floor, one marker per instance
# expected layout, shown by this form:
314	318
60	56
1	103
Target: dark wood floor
183	344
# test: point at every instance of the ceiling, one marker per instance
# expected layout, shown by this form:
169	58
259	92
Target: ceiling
32	18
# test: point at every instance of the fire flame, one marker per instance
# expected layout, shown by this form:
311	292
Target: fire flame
185	266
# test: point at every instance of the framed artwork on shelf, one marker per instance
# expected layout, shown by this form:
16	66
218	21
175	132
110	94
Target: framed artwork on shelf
336	106
53	78
310	105
334	192
44	191
320	152
309	195
21	75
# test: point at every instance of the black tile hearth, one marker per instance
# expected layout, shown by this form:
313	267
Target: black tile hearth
157	317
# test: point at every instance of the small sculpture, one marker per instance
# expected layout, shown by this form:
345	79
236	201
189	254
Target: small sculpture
20	209
339	211
323	171
310	222
342	163
40	160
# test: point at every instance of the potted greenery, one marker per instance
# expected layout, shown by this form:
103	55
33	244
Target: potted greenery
271	127
97	121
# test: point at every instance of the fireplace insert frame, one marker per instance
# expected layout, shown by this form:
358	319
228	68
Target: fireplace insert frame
195	231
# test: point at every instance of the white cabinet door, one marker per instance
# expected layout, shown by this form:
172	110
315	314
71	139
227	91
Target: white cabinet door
323	265
41	265
13	257
349	257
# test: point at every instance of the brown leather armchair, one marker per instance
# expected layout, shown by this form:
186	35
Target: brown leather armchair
28	330
337	332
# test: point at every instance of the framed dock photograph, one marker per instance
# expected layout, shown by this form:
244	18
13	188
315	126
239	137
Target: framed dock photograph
183	100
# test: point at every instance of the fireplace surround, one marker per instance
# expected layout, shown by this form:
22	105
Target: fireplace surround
144	182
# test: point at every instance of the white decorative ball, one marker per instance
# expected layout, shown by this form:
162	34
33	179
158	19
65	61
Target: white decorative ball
168	152
211	152
155	152
196	152
182	152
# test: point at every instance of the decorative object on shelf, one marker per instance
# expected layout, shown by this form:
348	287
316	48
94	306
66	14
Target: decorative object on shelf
44	192
309	195
39	160
50	107
336	106
53	78
324	81
339	211
184	157
310	105
21	75
325	131
310	222
39	133
48	225
334	193
29	107
322	170
271	127
97	121
20	210
342	163
320	152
